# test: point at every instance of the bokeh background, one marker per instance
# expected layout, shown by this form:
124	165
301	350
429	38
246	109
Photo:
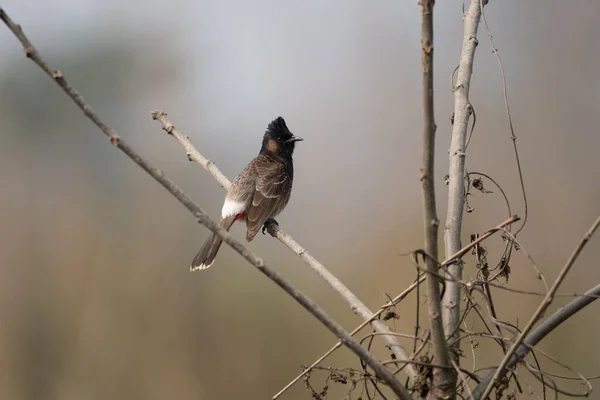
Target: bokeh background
96	299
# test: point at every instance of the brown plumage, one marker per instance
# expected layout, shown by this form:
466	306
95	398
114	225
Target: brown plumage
260	192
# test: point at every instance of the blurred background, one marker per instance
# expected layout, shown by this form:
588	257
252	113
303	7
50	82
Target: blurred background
96	298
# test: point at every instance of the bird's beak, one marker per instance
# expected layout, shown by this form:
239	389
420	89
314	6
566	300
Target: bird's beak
294	139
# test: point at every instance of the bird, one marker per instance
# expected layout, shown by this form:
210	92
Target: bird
259	193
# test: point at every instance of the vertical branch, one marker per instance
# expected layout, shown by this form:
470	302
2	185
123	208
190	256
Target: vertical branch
441	376
456	189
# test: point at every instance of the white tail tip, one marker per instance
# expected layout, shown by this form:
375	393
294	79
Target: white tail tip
199	267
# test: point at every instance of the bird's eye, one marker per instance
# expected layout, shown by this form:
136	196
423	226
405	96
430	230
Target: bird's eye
279	139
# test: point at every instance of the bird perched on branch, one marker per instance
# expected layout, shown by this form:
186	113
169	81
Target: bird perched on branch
259	193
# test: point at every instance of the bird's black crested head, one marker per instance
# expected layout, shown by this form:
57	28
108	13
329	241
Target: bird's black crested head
278	139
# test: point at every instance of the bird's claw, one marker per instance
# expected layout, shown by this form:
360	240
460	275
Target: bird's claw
267	223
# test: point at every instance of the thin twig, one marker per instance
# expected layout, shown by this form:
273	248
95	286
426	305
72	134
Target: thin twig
507	252
481	256
202	217
428	364
402	335
523	249
456	173
506	361
442	387
542	377
462	375
513	136
424	343
580	377
529	292
495	184
472	128
473	353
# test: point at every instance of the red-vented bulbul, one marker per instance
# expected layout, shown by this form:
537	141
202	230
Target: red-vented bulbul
260	192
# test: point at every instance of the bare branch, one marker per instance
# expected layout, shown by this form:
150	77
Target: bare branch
549	324
274	230
382	372
456	189
442	377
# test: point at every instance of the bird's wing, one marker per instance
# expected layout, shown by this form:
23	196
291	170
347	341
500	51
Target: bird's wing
273	186
240	194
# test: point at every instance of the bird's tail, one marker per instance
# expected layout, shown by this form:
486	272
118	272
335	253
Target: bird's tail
208	252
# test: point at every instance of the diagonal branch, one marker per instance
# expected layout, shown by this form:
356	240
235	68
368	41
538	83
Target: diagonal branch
354	302
456	189
442	377
202	217
541	309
